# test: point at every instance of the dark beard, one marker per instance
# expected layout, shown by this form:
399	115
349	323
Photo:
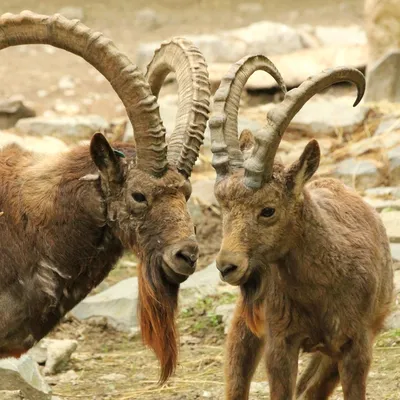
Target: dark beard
158	301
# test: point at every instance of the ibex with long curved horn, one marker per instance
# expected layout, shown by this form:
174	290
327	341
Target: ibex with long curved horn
312	260
65	220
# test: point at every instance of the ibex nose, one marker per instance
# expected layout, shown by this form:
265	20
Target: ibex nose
226	269
189	253
232	266
182	257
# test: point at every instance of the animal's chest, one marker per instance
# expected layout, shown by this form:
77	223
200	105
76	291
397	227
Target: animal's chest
326	334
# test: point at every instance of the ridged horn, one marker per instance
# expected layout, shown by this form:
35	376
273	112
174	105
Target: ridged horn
224	119
258	167
182	57
126	79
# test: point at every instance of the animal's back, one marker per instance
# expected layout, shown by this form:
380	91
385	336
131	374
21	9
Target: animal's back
356	227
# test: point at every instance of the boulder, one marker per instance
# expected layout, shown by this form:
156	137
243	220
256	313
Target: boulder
383	80
12	110
54	353
225	311
73	127
203	191
117	305
259	388
384	192
297	66
340	36
394	165
72	13
263	37
147	19
327	116
393	321
395	250
11	395
387	125
44	145
391	220
360	174
23	375
382	25
381	204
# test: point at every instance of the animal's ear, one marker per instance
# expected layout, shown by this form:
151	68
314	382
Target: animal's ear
304	168
246	140
106	159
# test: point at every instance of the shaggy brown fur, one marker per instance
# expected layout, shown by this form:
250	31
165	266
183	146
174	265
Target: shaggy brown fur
315	275
65	222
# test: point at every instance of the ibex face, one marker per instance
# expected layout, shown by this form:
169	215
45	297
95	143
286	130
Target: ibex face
260	199
149	215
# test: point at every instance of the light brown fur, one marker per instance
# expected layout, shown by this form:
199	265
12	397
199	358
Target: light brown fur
316	276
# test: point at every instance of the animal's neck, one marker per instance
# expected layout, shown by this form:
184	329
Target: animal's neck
310	240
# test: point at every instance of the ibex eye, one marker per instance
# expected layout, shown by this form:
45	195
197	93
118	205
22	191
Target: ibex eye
139	197
267	212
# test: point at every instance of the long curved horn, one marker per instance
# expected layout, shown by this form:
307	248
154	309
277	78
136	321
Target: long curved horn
258	167
126	79
185	59
224	120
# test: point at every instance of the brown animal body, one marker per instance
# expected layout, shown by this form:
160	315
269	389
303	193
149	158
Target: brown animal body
65	220
312	259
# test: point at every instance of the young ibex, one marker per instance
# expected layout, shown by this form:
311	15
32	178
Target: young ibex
312	261
65	220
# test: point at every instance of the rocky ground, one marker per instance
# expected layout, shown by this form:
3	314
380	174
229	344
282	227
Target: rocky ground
96	353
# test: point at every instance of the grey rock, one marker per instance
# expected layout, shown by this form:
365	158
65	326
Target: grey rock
327	116
264	37
23	374
11	395
393	321
395	250
72	13
394	165
360	174
44	145
12	110
201	284
381	204
295	67
113	377
69	376
249	8
116	304
147	19
391	220
387	125
261	388
383	80
397	281
340	36
66	82
58	354
225	311
203	191
76	127
384	191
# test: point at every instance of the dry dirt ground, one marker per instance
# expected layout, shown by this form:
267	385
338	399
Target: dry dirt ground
34	72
